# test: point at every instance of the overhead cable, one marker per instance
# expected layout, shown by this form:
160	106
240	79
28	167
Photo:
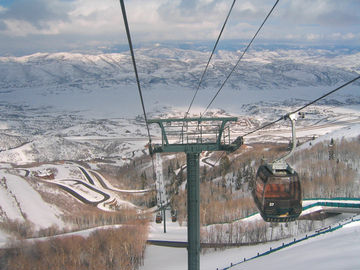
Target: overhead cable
136	74
296	111
303	107
237	63
208	62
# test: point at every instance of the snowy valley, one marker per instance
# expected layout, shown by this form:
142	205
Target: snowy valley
73	138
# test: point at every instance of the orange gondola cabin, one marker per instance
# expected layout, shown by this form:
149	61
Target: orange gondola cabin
277	194
158	218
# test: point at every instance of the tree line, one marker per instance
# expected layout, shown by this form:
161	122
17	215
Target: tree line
109	249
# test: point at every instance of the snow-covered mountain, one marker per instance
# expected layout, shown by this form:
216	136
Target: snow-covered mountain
158	65
57	106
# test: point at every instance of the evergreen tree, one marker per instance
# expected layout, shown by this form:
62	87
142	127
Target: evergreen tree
238	180
224	165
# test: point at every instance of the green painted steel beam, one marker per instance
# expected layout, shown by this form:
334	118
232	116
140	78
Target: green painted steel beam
193	207
194	148
199	119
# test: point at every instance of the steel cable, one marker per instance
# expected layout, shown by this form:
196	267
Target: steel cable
303	107
137	76
296	111
211	55
237	63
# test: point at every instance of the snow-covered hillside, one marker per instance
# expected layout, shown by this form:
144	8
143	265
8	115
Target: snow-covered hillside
163	66
20	201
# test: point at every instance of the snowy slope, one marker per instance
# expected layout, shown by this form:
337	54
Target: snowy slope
20	201
336	250
347	132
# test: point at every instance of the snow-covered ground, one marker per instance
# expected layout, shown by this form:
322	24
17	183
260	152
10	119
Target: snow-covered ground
174	232
19	201
333	250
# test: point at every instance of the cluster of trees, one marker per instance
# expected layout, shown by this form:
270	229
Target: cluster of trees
329	169
244	176
218	204
235	233
121	248
134	175
255	232
147	199
20	229
95	217
89	217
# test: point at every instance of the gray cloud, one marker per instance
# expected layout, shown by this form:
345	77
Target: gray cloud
326	13
37	12
2	26
76	24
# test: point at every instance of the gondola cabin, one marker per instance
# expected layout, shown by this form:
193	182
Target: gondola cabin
158	218
173	215
277	194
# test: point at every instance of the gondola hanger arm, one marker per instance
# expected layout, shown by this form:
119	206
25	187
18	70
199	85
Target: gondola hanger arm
292	117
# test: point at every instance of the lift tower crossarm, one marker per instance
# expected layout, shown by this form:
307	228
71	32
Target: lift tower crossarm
205	140
194	139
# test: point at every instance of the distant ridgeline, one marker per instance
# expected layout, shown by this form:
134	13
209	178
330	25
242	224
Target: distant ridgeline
261	68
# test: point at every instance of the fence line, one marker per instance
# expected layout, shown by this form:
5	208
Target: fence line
316	233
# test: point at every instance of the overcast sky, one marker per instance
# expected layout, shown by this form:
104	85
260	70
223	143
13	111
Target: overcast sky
28	26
